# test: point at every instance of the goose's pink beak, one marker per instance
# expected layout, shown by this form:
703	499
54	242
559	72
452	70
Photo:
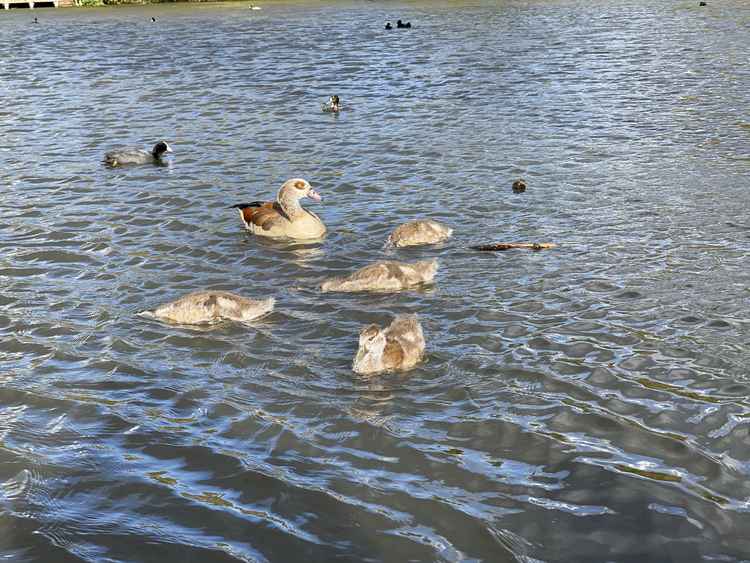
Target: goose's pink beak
312	194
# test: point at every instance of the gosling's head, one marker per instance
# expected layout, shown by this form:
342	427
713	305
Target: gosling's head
427	268
369	356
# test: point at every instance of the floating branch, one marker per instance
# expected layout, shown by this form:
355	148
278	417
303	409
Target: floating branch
509	245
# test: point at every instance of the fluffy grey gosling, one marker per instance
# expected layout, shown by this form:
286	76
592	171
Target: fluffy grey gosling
206	307
416	233
400	346
386	275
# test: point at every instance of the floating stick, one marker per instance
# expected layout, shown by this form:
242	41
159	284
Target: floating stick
509	245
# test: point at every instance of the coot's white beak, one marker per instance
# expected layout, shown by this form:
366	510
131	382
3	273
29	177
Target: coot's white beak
169	149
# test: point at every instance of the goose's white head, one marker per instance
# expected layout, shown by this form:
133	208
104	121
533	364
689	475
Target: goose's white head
296	189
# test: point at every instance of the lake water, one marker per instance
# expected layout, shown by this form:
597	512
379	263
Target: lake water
583	404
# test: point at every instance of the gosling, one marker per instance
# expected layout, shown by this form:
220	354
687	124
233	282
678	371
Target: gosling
416	233
400	346
209	307
385	275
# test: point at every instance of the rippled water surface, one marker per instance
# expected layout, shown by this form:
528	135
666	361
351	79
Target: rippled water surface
588	403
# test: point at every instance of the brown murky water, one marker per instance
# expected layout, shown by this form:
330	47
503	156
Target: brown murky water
584	404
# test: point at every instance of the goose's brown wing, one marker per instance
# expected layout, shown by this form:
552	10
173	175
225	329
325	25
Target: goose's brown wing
261	215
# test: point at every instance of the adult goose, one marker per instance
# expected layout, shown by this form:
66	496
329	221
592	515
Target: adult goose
385	275
285	217
119	157
208	307
399	346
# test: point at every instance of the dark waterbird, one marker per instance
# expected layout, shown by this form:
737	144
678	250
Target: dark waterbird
119	157
402	25
519	186
388	25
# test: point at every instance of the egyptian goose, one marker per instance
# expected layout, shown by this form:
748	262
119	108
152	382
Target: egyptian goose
118	157
386	275
284	217
206	307
333	105
400	346
414	233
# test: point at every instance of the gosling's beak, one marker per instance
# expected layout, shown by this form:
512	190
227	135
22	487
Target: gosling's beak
312	194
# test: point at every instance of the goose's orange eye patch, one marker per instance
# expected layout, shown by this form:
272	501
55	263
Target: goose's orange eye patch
300	185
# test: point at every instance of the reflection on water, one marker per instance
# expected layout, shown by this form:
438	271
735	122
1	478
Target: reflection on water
586	403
